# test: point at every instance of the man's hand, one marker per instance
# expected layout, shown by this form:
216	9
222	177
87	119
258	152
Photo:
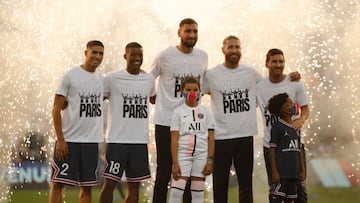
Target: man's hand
62	150
66	104
297	124
295	76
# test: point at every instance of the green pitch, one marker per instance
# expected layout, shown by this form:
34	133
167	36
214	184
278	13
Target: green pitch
316	195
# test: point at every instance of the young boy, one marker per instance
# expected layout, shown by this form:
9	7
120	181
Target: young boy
287	163
192	143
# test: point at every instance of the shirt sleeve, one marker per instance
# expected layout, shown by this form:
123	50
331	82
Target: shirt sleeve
153	89
156	67
209	121
274	136
301	97
175	120
107	85
64	86
205	86
258	76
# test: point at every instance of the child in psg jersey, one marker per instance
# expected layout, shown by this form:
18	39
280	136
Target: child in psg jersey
192	143
287	163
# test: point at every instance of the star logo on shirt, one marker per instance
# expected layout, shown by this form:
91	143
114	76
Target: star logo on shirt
286	134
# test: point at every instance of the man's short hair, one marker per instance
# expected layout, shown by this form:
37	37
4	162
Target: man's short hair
93	43
273	52
230	37
133	45
187	21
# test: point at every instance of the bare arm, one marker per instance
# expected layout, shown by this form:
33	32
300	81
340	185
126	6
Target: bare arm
305	112
61	146
211	144
208	168
302	165
174	154
295	76
274	170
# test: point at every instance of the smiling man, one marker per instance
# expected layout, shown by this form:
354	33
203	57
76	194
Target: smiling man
277	83
233	101
78	127
127	134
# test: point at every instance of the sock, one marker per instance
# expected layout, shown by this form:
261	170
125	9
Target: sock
177	190
197	191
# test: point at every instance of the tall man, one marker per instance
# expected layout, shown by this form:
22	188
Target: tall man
171	66
78	128
277	82
233	103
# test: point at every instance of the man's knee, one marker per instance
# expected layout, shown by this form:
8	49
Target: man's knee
109	184
133	187
85	189
57	187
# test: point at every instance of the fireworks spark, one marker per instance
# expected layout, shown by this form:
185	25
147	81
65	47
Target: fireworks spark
42	39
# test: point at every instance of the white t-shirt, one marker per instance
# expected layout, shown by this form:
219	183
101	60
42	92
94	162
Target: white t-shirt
233	100
128	114
82	120
266	89
172	66
193	124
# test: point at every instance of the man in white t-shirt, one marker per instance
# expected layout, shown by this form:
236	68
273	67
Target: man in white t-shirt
171	66
277	82
233	101
127	134
78	127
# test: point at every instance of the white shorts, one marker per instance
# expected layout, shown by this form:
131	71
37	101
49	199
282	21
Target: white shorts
192	165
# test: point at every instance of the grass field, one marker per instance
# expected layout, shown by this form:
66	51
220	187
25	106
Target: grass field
316	195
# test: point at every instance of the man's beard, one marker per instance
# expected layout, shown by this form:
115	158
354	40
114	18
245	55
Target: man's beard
188	45
232	60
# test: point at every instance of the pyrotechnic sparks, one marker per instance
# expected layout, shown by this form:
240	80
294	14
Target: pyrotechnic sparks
42	39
